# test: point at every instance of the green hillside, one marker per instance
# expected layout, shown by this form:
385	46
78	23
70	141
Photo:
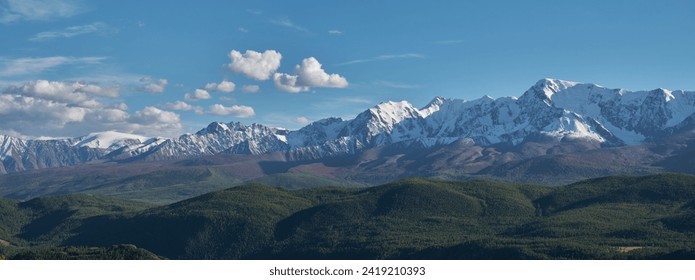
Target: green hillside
650	217
146	183
301	180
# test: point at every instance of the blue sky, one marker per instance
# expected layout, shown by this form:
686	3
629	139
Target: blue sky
69	67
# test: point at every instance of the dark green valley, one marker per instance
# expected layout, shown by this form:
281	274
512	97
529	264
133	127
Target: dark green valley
648	217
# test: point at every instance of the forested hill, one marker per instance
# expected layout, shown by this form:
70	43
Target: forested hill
649	217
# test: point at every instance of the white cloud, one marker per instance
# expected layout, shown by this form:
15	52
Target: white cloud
309	74
24	113
74	93
71	31
286	22
335	32
198	94
288	83
35	65
255	65
301	120
243	30
148	84
228	99
53	108
121	106
178	106
37	10
183	106
224	86
239	111
384	57
250	88
153	115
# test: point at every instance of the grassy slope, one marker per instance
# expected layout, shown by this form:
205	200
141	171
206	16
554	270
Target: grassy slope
302	180
413	218
149	184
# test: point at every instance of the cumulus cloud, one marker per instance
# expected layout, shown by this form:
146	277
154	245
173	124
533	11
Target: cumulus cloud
35	65
74	93
121	106
255	65
72	31
198	94
148	84
153	115
52	108
250	88
224	86
183	106
37	10
23	113
311	74
238	111
306	75
178	106
288	83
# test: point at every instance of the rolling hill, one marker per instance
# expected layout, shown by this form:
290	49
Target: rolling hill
606	218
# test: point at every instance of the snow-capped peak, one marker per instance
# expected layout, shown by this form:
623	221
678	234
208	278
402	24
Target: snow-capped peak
109	140
214	127
394	112
551	86
668	95
557	108
432	107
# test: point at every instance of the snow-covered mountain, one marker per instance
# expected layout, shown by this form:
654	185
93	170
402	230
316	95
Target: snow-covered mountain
19	154
554	110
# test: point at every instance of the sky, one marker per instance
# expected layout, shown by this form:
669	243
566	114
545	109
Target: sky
163	68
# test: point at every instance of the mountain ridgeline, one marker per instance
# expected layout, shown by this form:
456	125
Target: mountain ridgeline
550	111
648	217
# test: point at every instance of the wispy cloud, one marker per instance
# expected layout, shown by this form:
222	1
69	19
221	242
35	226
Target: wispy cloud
286	22
243	30
37	10
335	32
384	57
35	65
72	31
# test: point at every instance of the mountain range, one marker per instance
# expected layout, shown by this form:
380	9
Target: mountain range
554	121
